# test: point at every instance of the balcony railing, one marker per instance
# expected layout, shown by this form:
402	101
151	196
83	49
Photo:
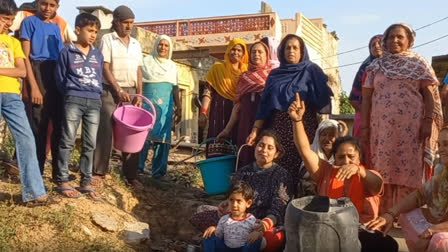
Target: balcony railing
179	28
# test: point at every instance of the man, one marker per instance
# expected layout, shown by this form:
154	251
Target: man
122	76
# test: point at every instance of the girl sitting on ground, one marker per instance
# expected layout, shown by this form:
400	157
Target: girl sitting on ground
235	229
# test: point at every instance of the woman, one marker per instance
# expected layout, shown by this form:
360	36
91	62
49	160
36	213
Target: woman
160	87
346	177
271	184
220	91
425	228
248	94
401	115
295	74
356	93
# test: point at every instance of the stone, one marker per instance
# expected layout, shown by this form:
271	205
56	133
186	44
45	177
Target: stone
136	233
105	222
86	230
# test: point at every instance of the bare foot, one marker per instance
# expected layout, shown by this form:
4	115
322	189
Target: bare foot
97	181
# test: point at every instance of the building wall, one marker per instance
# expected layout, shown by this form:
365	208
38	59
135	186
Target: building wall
189	74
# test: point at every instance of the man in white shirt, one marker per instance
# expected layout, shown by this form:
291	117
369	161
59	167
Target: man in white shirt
122	77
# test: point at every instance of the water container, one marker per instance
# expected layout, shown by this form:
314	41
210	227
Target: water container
321	224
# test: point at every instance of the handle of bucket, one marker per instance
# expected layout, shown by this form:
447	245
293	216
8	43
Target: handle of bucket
146	100
209	140
238	155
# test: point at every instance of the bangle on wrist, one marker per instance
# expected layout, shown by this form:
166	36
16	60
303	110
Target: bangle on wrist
204	110
297	120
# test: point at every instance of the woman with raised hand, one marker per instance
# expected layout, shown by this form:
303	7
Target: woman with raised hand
160	87
344	177
401	115
248	93
220	92
295	74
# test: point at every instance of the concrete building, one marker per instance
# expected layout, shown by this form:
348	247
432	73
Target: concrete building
214	33
199	42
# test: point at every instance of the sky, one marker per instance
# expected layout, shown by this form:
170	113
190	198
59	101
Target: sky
355	22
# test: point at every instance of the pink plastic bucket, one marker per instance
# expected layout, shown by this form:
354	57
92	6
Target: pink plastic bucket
132	125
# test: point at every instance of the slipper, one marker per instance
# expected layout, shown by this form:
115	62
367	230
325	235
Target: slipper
46	202
62	189
89	191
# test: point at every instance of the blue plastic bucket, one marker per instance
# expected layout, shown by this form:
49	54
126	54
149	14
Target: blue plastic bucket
216	171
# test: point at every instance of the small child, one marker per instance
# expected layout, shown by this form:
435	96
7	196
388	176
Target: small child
12	67
235	230
79	79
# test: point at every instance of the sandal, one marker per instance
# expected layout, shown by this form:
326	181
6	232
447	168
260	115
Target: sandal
90	192
63	190
43	201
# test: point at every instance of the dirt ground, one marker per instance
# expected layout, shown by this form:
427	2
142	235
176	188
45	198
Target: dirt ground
166	206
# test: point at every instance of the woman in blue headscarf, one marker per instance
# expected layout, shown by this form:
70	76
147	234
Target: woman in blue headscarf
296	74
355	97
160	87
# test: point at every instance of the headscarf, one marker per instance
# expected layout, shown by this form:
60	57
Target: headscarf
356	93
159	69
315	146
222	77
253	80
284	82
404	65
411	65
273	46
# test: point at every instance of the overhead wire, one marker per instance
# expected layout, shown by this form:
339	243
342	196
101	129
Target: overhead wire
364	47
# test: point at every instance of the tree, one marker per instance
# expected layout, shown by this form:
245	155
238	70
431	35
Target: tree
344	105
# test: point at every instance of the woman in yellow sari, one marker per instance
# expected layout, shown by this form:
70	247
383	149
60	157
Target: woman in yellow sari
219	93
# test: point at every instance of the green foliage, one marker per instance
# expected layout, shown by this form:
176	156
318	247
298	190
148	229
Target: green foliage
344	105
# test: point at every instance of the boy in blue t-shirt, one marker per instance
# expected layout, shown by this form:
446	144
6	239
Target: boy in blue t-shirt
41	43
79	78
12	67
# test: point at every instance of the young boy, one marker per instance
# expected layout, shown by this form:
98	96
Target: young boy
12	67
235	230
41	43
79	78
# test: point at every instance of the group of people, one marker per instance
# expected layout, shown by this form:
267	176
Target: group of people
393	165
66	80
